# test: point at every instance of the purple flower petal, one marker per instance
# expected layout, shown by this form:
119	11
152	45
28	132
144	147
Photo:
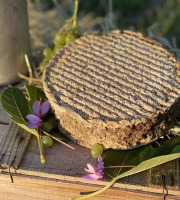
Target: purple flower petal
99	159
100	173
101	163
36	108
91	169
31	125
33	119
95	173
92	177
45	108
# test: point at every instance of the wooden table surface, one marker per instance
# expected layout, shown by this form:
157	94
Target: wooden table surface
61	176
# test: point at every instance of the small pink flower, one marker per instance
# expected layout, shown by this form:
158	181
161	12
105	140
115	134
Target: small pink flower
95	173
39	110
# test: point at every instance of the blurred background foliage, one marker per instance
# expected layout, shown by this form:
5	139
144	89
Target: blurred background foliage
104	15
135	15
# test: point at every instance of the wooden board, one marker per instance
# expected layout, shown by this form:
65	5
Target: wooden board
30	188
171	172
13	145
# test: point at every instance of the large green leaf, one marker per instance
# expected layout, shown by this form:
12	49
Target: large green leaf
153	162
34	94
137	156
14	102
16	105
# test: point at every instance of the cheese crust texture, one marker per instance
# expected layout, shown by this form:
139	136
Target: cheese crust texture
121	89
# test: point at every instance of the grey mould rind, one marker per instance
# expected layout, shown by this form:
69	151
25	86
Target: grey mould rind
124	134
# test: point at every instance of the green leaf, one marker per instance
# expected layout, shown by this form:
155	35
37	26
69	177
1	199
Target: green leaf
137	156
33	131
122	157
34	94
153	162
16	105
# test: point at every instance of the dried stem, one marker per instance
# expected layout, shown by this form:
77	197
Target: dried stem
57	139
119	166
29	79
35	71
29	67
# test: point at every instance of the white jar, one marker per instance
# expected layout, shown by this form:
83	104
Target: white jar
14	40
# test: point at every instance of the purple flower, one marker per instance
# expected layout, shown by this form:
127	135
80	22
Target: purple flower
95	173
39	110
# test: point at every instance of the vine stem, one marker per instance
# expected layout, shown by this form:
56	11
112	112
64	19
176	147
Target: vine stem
40	150
75	9
75	14
97	192
72	20
40	136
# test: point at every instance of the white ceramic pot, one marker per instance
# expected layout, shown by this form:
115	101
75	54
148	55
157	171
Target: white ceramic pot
14	40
